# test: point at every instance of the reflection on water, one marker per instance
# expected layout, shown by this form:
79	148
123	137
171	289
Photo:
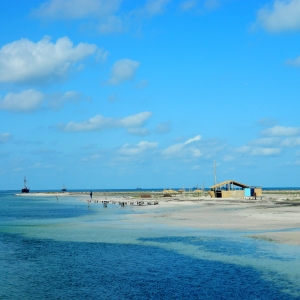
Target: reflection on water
64	249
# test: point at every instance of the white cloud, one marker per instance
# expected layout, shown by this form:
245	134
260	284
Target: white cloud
189	4
228	158
103	12
197	167
5	137
154	7
95	123
111	24
138	131
76	9
195	139
123	70
24	101
196	152
39	165
163	127
113	98
93	157
31	100
268	141
243	149
294	62
283	15
182	149
58	100
211	4
277	138
99	122
142	84
291	142
260	151
173	150
137	149
200	5
25	61
267	122
281	131
135	120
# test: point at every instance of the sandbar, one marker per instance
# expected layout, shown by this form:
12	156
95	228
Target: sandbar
274	217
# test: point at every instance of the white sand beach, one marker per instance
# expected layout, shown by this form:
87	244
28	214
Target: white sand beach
275	215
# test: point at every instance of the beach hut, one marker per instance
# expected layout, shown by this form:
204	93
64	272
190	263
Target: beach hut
234	189
181	191
169	192
198	192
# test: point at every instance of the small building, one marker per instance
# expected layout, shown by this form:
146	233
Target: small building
234	189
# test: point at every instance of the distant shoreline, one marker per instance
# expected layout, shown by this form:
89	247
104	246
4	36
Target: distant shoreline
274	217
141	190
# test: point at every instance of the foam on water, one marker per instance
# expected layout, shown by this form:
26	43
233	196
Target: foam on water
66	249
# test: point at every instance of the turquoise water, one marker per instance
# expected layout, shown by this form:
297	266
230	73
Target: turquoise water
64	249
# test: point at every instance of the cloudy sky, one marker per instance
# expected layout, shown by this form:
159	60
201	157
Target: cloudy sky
102	94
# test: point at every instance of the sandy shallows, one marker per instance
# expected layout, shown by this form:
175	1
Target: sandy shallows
275	217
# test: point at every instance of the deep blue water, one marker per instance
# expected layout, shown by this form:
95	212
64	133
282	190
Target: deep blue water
58	250
43	269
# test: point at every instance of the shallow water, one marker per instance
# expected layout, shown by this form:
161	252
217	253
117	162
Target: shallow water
64	249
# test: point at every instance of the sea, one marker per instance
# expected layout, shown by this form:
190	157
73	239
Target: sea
63	248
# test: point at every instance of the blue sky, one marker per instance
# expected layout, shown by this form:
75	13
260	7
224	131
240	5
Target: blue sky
124	94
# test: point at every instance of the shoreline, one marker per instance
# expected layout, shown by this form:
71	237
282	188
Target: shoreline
275	216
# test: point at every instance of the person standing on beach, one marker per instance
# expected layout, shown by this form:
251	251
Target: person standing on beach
91	195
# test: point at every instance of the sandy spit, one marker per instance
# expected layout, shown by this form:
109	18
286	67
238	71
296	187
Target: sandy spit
276	216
